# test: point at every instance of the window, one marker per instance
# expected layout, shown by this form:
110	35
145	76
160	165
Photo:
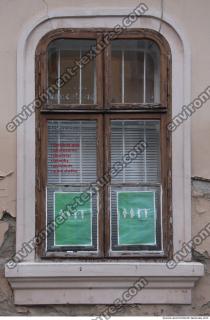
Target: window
104	281
112	102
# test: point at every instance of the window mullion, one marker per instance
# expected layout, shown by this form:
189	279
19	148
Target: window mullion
59	74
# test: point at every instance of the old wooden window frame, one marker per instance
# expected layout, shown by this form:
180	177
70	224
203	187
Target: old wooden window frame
104	108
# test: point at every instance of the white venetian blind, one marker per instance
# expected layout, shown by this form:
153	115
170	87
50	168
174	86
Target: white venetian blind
139	176
71	151
125	135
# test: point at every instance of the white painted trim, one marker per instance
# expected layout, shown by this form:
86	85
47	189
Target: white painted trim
107	269
71	17
102	283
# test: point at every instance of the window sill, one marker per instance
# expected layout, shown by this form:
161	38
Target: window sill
101	283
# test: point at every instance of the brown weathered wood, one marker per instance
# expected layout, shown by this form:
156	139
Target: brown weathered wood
103	112
107	157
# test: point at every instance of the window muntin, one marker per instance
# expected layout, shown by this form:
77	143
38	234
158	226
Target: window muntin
152	181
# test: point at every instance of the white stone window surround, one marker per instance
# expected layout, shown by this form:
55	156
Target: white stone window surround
46	282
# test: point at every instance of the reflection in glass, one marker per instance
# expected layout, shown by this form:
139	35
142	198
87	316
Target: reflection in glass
135	71
81	88
145	168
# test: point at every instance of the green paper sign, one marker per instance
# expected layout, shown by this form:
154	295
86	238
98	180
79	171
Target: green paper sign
76	229
136	218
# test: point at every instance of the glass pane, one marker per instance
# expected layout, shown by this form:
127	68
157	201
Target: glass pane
71	151
81	88
135	218
78	229
116	75
125	135
135	192
135	71
71	167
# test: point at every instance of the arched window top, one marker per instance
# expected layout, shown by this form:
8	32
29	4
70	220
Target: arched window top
94	70
135	71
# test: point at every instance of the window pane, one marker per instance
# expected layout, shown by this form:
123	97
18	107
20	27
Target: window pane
71	151
78	230
125	135
81	88
135	71
71	167
135	193
135	218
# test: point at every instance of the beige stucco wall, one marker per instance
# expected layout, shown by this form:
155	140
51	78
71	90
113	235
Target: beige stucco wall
192	17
